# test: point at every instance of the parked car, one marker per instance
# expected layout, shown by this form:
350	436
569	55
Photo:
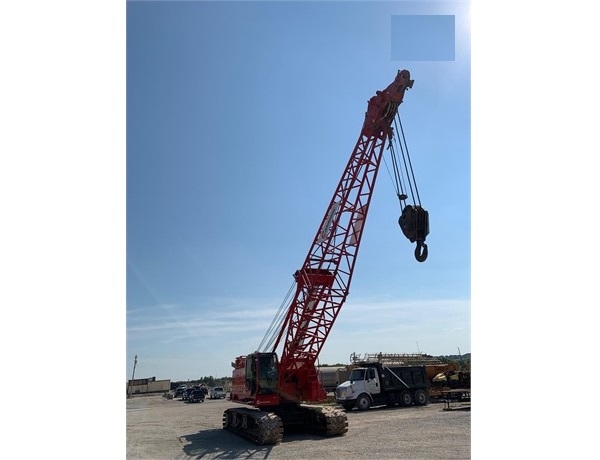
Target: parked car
179	391
217	393
186	394
196	396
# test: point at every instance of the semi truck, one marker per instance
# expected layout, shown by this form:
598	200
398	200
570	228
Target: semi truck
375	384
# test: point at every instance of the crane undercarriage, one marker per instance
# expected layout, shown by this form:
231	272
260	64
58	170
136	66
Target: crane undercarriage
263	427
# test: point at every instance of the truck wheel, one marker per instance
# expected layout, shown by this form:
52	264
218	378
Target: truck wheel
363	402
421	398
406	398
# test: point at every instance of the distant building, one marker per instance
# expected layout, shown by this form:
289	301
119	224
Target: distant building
149	385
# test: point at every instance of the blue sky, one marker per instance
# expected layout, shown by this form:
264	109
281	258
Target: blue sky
241	117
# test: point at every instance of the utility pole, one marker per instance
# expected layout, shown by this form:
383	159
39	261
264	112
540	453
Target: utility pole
129	393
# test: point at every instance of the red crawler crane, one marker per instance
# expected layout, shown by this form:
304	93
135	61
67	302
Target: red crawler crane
275	389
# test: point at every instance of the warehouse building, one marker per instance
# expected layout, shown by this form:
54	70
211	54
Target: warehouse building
146	386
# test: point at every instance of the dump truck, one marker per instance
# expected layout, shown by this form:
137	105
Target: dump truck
375	384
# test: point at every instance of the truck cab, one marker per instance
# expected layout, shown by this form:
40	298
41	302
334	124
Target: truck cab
362	381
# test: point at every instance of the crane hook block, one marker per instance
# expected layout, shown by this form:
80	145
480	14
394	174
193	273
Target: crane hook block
414	222
421	252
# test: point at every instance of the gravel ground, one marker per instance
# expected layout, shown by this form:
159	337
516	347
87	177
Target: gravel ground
162	429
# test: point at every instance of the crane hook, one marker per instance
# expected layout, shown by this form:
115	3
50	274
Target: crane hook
421	252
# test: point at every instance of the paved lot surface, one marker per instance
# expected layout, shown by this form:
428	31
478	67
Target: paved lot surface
161	429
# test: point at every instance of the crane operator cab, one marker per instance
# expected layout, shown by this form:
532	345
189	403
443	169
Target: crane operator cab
261	373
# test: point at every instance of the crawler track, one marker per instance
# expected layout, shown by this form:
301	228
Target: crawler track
260	427
264	428
328	421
